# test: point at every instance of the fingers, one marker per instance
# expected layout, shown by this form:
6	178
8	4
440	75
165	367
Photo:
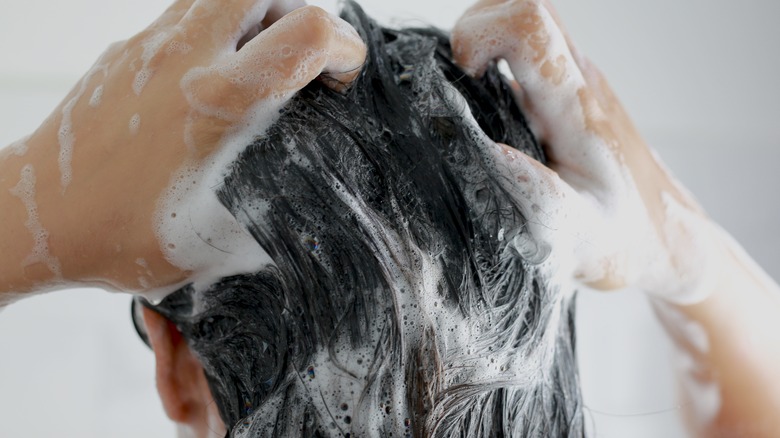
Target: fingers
526	35
559	22
533	184
173	14
278	62
279	9
301	46
221	24
562	107
561	225
546	202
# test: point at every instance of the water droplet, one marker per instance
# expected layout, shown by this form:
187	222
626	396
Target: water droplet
311	243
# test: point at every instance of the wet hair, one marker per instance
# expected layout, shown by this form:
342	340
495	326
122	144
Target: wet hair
402	300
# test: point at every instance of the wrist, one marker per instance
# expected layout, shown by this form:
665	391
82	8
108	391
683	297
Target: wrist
26	263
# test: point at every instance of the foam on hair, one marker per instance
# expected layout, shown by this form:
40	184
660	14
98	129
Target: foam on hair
401	299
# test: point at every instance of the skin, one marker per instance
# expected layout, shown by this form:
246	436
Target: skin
198	89
181	383
629	210
614	217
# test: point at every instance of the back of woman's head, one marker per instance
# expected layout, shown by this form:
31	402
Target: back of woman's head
404	297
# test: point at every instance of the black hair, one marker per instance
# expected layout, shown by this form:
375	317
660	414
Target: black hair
398	302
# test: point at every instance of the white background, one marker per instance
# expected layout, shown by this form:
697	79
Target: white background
698	77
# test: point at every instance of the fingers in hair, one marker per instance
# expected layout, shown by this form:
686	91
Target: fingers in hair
563	108
278	62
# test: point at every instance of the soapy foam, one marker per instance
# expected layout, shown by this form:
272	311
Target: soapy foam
550	231
418	303
19	147
693	345
65	135
151	46
612	223
416	280
553	101
198	234
97	96
253	17
207	240
370	397
25	191
534	242
178	47
695	277
135	124
195	231
145	274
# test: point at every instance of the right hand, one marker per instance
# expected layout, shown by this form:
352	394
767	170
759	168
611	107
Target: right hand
163	98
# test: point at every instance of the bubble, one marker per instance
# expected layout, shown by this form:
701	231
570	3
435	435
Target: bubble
135	124
20	148
143	282
25	191
97	96
141	79
311	243
179	47
65	134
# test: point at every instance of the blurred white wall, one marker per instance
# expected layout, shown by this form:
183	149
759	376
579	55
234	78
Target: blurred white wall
698	77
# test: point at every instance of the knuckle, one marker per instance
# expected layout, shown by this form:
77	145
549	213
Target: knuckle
316	25
206	89
311	12
137	39
461	51
114	49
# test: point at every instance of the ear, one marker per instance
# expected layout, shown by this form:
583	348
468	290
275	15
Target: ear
182	385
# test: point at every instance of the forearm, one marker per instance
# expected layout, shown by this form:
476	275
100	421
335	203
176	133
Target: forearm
729	350
54	236
26	263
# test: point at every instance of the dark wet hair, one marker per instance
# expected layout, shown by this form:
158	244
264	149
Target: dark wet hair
399	302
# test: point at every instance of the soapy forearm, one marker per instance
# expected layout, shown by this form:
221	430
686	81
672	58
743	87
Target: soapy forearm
49	236
613	216
612	210
115	188
728	353
24	254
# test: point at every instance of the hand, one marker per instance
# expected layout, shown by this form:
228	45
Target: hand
92	175
607	211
